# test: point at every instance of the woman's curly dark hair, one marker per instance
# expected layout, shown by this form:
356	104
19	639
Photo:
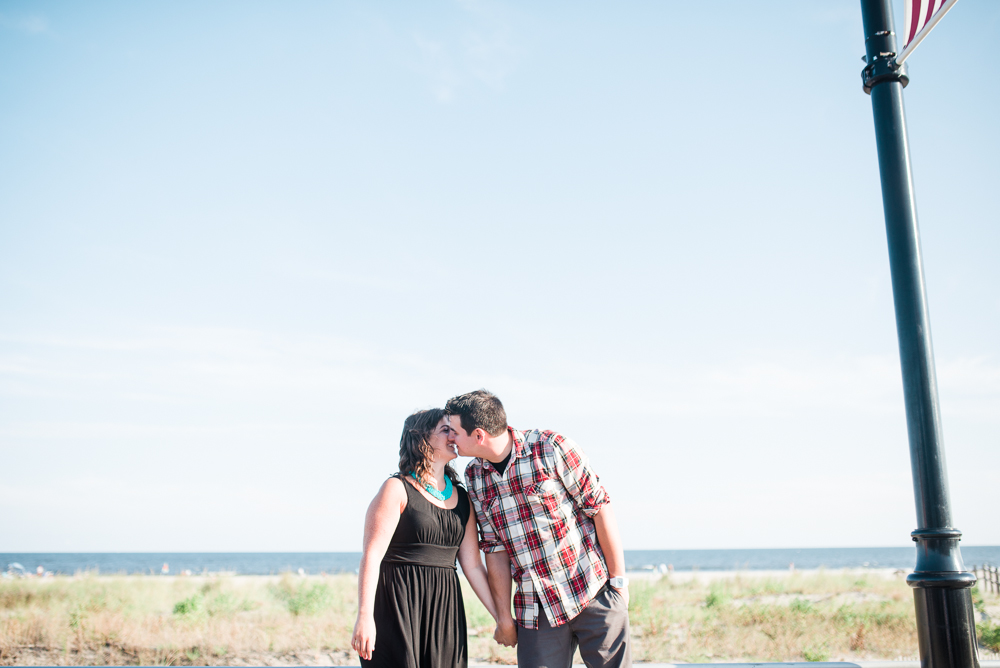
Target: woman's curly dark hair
415	447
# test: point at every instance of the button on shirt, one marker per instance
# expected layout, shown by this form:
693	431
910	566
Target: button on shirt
540	511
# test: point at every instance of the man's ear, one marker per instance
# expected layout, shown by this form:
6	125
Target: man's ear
480	435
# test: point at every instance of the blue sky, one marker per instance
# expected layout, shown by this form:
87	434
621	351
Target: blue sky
240	242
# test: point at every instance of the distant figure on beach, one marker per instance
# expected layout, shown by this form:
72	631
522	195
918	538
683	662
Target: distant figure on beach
410	609
545	521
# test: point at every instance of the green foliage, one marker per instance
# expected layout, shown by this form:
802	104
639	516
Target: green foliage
227	604
816	654
717	597
189	606
21	594
989	635
303	598
800	605
87	594
640	596
222	604
759	587
977	600
76	617
882	614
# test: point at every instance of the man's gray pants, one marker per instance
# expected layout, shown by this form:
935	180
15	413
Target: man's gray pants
601	631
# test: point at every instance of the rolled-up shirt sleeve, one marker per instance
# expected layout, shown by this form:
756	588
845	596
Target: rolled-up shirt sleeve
488	539
580	481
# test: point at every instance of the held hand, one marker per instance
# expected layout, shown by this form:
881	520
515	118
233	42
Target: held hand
363	640
506	633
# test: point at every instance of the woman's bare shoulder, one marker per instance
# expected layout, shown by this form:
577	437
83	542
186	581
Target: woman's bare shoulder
392	490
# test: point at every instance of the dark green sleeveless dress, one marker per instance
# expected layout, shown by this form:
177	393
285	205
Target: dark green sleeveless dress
419	613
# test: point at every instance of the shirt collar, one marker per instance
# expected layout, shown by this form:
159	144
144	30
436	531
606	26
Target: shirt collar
519	449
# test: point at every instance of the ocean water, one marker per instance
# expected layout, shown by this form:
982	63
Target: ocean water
264	563
776	559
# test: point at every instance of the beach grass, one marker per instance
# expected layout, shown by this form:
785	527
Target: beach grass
291	620
107	620
800	617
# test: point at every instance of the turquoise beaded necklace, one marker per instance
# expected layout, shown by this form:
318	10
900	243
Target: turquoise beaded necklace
440	496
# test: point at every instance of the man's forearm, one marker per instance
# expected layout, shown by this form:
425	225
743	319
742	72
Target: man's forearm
610	540
498	570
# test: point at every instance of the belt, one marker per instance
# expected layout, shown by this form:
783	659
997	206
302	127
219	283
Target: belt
421	554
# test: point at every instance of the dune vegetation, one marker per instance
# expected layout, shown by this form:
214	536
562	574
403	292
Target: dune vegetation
291	620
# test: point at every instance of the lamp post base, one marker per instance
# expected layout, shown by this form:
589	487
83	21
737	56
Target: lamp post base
946	623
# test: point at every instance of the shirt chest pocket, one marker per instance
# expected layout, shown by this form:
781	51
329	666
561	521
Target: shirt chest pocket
544	492
536	513
551	508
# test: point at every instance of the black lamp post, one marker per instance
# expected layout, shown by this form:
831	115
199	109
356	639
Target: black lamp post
941	586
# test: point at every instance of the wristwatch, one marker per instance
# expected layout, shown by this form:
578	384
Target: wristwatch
618	582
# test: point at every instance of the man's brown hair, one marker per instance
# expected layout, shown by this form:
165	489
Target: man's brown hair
478	410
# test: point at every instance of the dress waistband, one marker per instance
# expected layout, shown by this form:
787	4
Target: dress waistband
421	554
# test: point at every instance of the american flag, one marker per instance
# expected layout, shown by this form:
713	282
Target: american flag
921	17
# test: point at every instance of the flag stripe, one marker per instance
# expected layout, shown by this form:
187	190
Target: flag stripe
908	21
920	18
918	14
932	7
914	19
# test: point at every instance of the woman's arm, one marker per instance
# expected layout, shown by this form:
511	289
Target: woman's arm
380	523
472	566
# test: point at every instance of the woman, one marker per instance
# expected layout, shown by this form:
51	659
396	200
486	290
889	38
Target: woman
410	610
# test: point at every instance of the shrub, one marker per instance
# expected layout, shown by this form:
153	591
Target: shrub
717	597
304	599
227	604
816	654
188	606
800	605
989	636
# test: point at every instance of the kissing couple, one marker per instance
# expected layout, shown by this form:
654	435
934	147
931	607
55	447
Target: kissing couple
534	506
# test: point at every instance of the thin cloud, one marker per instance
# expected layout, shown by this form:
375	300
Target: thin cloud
435	64
483	51
29	25
264	397
233	365
491	58
490	52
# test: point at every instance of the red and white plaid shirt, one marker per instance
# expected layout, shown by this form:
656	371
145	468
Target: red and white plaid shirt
540	511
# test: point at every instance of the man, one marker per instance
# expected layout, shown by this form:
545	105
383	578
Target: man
545	521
